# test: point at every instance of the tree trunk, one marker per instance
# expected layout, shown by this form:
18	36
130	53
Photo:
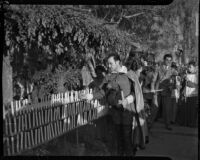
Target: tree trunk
7	81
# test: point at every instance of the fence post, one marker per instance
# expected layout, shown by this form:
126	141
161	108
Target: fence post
12	108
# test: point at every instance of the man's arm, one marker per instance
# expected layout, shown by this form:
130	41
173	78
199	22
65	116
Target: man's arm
98	94
129	99
154	81
191	84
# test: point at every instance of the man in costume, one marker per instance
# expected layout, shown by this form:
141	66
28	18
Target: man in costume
115	87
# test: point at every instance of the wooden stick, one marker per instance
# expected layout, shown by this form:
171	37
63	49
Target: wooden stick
19	122
55	129
6	125
36	137
51	112
15	125
39	135
22	140
16	107
69	124
29	139
8	147
23	122
64	125
34	121
61	127
13	145
45	133
25	141
29	120
26	121
52	130
32	138
46	116
39	117
10	125
49	131
12	108
17	148
42	134
36	117
42	116
19	105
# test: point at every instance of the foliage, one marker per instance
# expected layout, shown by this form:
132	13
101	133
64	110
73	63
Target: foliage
70	36
60	80
159	29
39	36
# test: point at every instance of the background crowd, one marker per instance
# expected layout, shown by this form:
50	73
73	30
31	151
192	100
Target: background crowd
169	92
165	90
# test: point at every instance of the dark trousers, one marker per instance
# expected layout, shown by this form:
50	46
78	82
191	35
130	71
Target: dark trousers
124	143
167	109
188	112
192	111
174	109
153	112
159	112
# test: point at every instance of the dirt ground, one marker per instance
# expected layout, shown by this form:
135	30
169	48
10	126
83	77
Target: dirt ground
179	144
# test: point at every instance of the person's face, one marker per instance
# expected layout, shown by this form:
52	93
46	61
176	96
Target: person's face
140	70
100	73
168	61
191	68
112	64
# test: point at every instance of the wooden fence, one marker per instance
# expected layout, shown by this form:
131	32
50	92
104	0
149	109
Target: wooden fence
27	126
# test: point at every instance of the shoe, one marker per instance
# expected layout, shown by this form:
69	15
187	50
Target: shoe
142	147
168	128
146	140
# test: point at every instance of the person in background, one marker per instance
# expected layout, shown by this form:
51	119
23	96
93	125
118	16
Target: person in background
140	130
150	96
16	92
164	82
115	83
175	92
100	75
191	93
103	124
35	93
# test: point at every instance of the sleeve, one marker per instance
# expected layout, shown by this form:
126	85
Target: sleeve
130	99
153	82
156	79
191	84
100	92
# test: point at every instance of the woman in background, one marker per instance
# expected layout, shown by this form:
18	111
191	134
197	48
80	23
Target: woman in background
191	93
140	130
175	93
187	110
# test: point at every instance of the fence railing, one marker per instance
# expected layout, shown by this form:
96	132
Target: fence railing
30	125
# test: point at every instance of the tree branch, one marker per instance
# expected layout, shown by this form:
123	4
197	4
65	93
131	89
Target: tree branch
79	9
134	15
121	17
106	15
117	22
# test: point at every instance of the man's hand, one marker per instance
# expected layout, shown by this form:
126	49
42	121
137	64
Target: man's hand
86	96
123	102
155	100
153	91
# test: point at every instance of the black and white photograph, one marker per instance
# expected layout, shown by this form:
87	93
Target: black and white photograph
100	80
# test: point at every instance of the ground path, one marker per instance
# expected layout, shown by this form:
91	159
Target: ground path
179	144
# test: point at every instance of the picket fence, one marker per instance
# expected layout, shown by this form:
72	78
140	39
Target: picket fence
27	126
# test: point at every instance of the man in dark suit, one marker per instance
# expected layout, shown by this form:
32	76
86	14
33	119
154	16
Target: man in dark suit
164	81
115	83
